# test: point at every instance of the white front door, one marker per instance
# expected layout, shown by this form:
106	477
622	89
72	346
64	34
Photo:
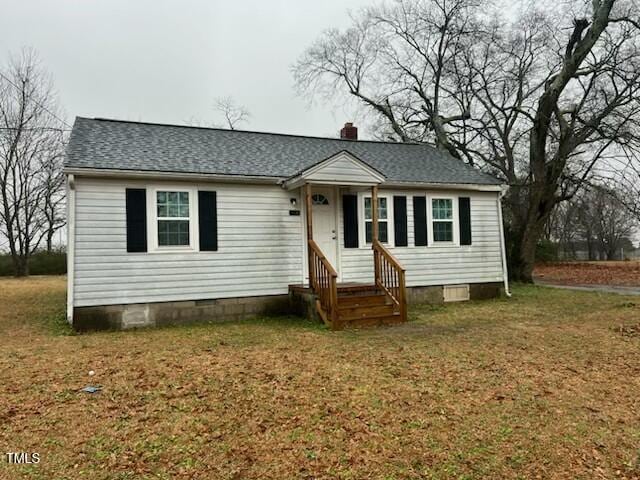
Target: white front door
324	222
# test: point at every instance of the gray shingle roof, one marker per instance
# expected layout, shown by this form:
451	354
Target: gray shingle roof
122	145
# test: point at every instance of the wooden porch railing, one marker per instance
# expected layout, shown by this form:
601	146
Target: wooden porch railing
323	279
390	277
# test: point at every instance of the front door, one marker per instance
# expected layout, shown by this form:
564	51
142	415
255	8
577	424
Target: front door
324	222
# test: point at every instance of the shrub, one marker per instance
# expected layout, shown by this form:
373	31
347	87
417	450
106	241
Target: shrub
40	263
546	251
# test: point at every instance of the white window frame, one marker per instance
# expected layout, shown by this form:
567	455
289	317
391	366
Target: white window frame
454	221
362	223
152	219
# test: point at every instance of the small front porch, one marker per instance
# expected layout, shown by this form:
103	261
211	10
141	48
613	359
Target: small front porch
339	303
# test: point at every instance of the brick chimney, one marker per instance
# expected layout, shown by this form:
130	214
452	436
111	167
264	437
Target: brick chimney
349	132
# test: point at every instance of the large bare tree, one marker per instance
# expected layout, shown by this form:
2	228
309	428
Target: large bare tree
31	137
549	102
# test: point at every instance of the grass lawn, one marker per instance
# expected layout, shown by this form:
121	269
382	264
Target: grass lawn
543	385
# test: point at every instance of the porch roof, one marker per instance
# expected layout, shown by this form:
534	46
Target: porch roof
343	168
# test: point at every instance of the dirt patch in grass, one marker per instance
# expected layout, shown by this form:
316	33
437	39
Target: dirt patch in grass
590	273
538	386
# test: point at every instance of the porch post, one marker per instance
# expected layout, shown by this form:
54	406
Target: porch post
374	213
308	204
374	233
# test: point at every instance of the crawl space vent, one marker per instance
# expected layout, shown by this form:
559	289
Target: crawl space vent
456	293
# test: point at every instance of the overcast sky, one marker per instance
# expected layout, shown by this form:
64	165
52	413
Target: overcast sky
166	60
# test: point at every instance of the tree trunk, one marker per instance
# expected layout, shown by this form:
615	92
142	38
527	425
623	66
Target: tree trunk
20	266
523	254
525	232
49	240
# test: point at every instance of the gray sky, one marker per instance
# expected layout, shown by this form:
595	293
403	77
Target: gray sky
166	60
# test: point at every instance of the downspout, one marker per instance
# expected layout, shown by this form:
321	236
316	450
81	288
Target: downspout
505	272
71	228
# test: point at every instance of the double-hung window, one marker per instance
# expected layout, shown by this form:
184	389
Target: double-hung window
383	220
173	218
442	218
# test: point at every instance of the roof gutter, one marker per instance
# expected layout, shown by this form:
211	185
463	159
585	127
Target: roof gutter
269	180
206	177
444	186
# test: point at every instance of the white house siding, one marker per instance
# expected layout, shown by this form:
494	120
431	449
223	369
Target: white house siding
437	265
259	248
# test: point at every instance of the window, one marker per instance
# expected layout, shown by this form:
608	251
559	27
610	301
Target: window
383	214
442	216
173	218
319	199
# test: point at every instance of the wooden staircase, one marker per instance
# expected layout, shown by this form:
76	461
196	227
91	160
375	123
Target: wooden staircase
359	305
383	302
365	306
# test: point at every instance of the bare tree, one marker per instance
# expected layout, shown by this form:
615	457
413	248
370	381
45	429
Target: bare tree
233	113
565	228
595	219
550	102
53	201
30	146
612	225
586	218
394	59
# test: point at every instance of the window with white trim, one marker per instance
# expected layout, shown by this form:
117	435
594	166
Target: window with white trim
173	218
442	219
383	219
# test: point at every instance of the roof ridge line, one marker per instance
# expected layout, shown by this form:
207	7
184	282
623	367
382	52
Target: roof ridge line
230	130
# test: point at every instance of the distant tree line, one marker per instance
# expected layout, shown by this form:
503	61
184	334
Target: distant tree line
593	225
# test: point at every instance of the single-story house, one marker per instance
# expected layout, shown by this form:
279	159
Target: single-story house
170	224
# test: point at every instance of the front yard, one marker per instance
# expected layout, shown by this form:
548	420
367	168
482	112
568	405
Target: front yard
543	385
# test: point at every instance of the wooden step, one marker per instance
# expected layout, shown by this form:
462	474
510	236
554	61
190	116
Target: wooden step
372	321
347	315
347	291
350	312
355	300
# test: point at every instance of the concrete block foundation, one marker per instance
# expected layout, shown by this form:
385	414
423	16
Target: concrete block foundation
485	291
123	317
302	303
431	295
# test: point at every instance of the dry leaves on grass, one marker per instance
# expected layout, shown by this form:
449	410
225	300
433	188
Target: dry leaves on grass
629	330
590	273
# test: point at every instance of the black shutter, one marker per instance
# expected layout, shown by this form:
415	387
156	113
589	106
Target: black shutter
464	216
350	216
136	207
420	220
400	221
208	221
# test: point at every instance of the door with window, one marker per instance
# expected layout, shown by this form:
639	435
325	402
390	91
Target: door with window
323	222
